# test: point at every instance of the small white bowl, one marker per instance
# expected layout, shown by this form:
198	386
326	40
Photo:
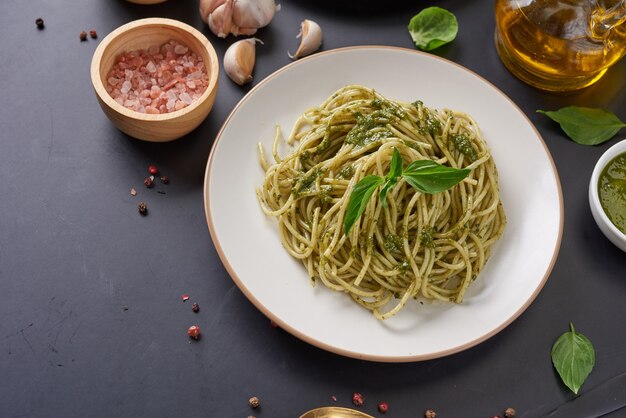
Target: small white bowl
614	235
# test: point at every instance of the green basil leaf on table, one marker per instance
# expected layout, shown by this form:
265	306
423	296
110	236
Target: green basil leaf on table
432	28
573	357
427	176
586	125
359	197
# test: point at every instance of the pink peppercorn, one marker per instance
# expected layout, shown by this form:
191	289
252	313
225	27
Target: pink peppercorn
357	399
194	332
383	407
152	169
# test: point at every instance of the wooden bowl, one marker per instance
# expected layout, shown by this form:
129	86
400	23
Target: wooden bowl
141	34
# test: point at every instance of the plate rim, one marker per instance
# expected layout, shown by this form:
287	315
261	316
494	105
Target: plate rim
326	346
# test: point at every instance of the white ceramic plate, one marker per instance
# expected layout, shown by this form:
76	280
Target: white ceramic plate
248	243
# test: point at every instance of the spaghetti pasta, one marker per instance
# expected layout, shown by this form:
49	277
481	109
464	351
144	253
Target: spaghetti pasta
417	244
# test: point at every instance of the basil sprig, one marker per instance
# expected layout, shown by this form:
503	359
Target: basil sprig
586	125
425	176
573	357
432	28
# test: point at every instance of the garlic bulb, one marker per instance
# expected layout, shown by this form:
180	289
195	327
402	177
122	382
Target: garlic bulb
239	60
310	39
239	17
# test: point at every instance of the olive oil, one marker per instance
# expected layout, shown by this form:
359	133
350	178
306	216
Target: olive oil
560	45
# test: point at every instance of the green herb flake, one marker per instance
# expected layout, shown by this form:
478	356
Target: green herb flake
432	28
392	242
426	237
429	125
325	194
403	267
372	127
573	357
304	182
464	146
586	125
346	172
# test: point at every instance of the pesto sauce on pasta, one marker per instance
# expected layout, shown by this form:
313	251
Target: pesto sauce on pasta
417	245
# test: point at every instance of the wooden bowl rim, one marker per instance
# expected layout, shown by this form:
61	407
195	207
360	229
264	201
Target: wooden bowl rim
104	95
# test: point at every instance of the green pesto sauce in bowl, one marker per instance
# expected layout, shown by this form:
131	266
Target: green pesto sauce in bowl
612	191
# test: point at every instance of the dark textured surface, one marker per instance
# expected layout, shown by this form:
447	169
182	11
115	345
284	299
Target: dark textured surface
74	253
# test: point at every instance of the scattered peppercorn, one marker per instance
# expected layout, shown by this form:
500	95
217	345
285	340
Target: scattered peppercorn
165	179
93	34
383	407
39	23
333	398
152	169
357	399
273	324
148	182
194	332
133	192
254	402
509	413
195	307
82	36
496	416
142	208
430	414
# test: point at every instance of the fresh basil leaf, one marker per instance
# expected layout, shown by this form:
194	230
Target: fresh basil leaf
359	197
573	357
432	28
586	125
395	171
430	177
389	183
395	167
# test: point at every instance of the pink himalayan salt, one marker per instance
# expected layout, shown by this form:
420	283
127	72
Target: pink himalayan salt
159	79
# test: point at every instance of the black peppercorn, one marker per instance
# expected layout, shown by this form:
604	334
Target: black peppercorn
39	23
195	307
82	36
142	208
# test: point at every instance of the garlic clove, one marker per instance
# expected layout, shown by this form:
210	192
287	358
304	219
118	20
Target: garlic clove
239	60
235	30
253	13
207	7
310	39
221	19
